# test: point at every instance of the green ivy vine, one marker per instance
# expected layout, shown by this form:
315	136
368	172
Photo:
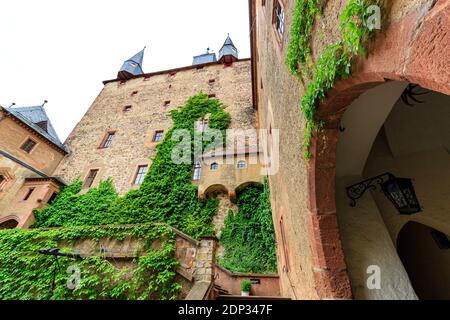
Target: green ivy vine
26	274
248	236
334	62
166	194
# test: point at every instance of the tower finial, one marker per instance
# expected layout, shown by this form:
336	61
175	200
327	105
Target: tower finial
45	102
12	105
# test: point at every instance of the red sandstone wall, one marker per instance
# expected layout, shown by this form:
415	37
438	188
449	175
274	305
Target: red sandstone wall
269	284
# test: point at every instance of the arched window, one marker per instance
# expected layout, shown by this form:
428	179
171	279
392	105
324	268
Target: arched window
197	171
214	166
241	164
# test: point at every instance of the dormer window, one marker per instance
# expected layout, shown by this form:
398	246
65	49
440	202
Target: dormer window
43	125
28	145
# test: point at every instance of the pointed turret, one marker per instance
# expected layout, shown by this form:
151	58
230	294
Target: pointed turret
132	67
228	53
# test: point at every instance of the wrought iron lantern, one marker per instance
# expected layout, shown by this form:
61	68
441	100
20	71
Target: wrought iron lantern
400	191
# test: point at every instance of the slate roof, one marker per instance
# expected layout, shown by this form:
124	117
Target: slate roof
228	49
31	116
204	58
133	66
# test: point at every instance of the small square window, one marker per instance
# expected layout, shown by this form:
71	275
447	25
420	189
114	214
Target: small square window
212	96
90	178
134	93
122	82
212	81
167	103
241	164
172	74
214	166
28	194
159	134
127	108
28	145
147	77
140	174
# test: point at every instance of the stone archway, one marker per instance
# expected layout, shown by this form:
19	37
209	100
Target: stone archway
9	222
413	50
425	259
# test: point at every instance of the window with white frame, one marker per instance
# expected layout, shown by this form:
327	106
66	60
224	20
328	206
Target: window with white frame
279	18
197	171
241	164
214	166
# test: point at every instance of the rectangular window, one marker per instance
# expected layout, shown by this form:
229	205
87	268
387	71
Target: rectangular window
197	171
107	140
140	174
278	19
172	74
134	93
52	198
158	136
167	103
212	96
28	145
211	81
127	108
90	178
28	194
2	181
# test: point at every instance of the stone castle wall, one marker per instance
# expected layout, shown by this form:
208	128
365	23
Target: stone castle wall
134	130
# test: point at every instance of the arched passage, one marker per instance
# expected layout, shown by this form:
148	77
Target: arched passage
401	53
9	223
426	258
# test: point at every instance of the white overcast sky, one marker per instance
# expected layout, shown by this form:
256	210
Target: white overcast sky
61	51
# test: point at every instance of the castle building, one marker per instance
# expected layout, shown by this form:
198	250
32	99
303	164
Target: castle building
360	203
30	152
339	236
117	137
